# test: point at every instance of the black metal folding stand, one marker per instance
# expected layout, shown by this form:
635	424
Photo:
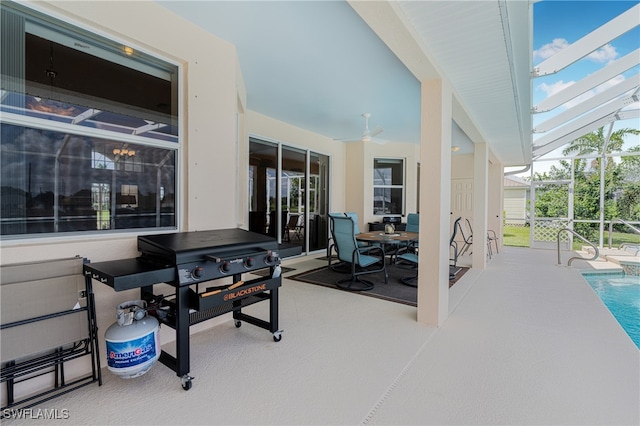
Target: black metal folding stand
131	273
54	359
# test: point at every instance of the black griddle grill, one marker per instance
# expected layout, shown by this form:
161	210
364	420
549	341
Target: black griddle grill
184	247
189	261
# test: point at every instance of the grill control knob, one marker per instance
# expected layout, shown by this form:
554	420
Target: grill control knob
271	258
248	262
198	272
226	266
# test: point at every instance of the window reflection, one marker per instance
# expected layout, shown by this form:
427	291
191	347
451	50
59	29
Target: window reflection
56	182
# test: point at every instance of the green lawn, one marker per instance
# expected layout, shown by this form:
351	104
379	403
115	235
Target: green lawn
518	236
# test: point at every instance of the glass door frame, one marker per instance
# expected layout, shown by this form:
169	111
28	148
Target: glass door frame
304	208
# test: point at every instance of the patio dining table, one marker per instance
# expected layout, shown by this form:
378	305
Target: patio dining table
384	238
394	239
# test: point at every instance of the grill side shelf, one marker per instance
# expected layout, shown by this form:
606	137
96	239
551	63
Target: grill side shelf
126	274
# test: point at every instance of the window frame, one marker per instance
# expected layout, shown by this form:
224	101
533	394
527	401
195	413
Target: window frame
38	17
401	186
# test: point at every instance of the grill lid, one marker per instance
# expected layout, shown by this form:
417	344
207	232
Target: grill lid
176	248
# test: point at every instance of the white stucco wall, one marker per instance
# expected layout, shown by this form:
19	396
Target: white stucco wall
359	174
462	166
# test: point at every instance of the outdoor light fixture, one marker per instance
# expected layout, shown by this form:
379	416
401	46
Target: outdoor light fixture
455	148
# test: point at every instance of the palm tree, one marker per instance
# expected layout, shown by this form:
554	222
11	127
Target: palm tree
593	143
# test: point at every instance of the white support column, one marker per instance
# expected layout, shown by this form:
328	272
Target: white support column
495	207
435	188
480	199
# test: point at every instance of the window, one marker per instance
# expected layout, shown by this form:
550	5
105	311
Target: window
89	131
388	186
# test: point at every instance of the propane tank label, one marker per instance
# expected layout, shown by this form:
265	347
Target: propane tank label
132	352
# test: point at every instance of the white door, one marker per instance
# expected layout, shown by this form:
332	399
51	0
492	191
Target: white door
461	201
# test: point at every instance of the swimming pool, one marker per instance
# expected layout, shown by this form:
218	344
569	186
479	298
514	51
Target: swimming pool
621	294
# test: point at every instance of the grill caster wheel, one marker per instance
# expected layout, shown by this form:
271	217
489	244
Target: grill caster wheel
238	323
277	336
186	382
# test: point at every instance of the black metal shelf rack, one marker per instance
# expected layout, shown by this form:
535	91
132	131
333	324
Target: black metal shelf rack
39	357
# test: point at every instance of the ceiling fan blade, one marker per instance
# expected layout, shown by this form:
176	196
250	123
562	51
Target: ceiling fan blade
380	141
367	134
376	131
346	139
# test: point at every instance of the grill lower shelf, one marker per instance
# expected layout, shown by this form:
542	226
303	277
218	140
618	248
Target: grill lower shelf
207	300
204	306
199	316
196	317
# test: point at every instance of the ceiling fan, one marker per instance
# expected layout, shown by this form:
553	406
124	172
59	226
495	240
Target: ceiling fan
368	135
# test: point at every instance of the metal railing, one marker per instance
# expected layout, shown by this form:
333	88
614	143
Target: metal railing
571	231
633	228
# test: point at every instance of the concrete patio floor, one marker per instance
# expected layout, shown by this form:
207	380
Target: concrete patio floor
526	342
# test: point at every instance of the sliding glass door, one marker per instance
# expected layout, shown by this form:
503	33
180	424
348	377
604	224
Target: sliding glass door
263	166
318	195
288	190
293	178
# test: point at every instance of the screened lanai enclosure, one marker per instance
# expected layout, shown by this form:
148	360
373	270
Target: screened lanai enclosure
585	175
592	195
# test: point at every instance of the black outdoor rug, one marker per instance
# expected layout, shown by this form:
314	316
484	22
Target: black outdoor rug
393	290
267	272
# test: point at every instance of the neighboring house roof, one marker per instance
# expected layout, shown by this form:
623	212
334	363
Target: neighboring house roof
515	182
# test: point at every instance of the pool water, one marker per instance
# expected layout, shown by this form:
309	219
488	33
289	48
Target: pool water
621	294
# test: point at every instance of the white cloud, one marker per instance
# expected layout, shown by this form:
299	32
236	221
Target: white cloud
606	53
552	89
558	86
550	49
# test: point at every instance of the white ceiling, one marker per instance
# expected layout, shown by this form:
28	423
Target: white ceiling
317	65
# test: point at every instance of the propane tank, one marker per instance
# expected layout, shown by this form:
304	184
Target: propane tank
133	341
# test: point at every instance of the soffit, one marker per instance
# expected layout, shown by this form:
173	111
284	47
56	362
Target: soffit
482	48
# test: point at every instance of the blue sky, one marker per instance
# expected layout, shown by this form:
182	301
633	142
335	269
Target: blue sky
560	23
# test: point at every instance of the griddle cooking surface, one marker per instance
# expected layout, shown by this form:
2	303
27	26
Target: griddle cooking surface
188	241
187	246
